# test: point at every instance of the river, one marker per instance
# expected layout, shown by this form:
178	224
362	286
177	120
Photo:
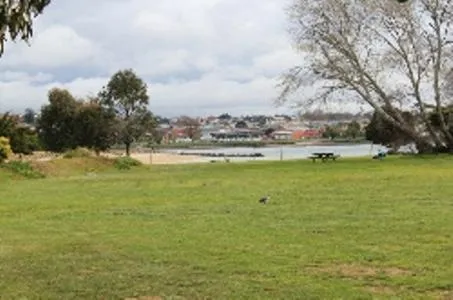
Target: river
288	152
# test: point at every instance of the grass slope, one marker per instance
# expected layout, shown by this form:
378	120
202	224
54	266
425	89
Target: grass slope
353	229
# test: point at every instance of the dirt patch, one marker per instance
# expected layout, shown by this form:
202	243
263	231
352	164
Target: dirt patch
360	271
145	298
381	290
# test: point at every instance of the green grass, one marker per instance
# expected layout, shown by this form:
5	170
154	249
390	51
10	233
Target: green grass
352	229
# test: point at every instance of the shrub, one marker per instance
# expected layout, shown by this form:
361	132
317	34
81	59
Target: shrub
125	163
78	152
22	168
5	149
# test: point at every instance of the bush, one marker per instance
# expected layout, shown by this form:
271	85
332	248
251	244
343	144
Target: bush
5	149
125	163
22	168
78	152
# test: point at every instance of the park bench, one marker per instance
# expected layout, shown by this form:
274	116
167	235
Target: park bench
324	156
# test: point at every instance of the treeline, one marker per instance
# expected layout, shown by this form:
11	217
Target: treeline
117	115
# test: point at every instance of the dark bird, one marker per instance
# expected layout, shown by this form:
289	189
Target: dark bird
264	199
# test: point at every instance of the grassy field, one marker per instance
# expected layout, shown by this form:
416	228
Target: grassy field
352	229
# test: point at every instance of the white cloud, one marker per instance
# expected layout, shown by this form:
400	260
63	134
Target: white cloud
202	56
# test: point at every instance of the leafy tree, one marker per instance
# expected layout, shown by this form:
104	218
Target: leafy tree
95	127
16	19
56	124
380	131
66	123
353	129
22	139
127	95
29	116
354	49
331	132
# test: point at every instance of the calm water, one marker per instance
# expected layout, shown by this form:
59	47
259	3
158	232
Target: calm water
290	152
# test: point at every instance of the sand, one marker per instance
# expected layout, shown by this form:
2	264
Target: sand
164	158
145	158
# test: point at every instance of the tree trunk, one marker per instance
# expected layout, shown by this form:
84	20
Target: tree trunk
128	149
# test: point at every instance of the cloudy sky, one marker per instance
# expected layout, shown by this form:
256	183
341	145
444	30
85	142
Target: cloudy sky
198	56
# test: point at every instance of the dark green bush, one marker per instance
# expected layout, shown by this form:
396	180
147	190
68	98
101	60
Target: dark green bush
126	163
22	168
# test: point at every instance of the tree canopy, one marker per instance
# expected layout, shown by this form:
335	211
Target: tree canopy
126	95
16	19
376	54
66	123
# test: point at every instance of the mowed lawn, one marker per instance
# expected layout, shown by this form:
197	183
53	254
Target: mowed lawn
351	229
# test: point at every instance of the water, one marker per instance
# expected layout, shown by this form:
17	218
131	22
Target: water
289	151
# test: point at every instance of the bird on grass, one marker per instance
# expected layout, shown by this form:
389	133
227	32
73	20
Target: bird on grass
264	199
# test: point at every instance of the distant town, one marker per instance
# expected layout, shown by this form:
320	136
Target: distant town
224	127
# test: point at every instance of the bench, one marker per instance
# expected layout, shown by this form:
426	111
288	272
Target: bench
323	156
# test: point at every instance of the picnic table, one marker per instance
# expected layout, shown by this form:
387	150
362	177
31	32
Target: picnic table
323	156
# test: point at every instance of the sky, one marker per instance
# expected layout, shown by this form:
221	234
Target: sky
198	57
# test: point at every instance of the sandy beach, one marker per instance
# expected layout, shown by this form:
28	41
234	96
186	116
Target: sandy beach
163	158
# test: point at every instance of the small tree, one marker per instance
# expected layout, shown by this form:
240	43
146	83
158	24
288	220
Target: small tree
16	19
331	133
353	129
22	140
127	95
5	149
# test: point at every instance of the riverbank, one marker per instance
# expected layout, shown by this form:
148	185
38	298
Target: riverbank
257	144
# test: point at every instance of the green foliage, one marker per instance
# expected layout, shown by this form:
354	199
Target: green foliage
78	153
380	131
353	130
66	123
127	95
126	163
23	140
29	116
331	132
23	169
96	126
16	19
5	149
56	124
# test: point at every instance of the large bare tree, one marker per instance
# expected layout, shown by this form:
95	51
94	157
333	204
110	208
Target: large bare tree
385	54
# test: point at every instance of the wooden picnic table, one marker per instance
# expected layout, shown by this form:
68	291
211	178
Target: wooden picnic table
324	156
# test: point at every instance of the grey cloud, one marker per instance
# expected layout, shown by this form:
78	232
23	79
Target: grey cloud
197	55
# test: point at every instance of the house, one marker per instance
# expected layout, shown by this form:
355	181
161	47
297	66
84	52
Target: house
237	135
282	135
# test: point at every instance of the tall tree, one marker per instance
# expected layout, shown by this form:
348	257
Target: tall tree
56	123
378	53
127	95
16	19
